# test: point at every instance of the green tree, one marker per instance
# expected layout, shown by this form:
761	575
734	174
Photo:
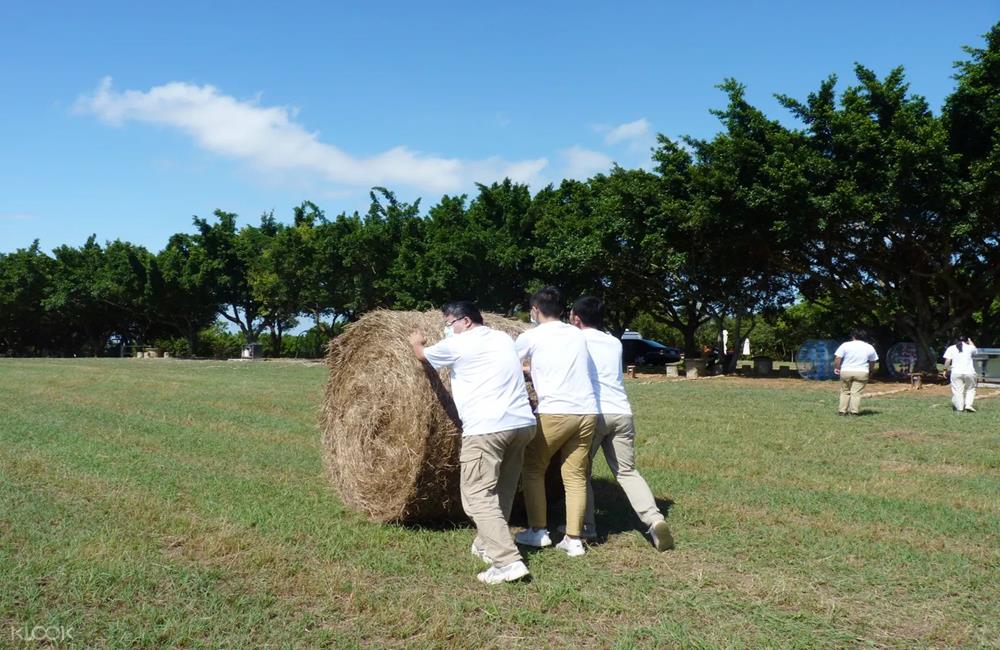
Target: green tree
226	258
276	276
455	251
308	260
880	225
740	217
185	301
98	293
683	263
381	255
503	216
25	276
972	118
600	237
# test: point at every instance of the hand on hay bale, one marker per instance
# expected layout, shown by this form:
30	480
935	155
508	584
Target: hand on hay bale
391	434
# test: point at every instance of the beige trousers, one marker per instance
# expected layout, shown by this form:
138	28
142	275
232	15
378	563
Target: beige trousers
615	435
569	436
491	466
852	383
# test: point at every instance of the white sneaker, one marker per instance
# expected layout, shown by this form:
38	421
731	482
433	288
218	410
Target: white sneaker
662	539
970	409
534	537
589	532
573	547
481	554
510	573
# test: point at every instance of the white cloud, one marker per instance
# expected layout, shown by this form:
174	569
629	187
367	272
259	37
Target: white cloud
524	171
636	131
270	139
583	163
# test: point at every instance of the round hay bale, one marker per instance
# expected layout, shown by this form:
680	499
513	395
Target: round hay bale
391	434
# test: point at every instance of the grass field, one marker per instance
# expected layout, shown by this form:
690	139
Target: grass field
184	504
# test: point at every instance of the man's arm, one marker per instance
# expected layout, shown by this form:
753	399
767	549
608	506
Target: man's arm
836	364
522	345
417	342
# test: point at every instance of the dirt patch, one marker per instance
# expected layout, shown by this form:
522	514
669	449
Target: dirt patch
879	388
940	469
935	390
902	434
758	382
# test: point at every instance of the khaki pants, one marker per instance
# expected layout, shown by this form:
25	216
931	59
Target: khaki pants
491	466
616	436
569	436
852	383
963	391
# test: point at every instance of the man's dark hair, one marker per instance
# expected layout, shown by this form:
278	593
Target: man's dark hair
463	309
858	334
590	311
548	301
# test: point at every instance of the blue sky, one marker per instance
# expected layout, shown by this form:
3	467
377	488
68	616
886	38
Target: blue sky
125	120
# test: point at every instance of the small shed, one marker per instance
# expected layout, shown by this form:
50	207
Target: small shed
987	364
252	351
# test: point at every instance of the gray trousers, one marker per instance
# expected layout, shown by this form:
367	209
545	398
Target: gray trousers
616	436
491	467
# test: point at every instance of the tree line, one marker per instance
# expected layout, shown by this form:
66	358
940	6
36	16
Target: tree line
870	211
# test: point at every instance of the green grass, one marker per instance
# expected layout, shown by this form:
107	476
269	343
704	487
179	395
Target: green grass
184	504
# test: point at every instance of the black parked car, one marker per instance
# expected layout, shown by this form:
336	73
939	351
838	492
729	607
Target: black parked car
640	352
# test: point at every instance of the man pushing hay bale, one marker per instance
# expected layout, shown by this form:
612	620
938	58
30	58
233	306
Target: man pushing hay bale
391	433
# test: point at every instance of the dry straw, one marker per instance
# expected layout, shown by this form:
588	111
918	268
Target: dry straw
391	435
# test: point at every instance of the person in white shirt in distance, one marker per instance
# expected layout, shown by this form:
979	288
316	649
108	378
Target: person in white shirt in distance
958	360
854	362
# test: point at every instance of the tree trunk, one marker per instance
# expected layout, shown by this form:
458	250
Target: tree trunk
690	330
276	336
737	337
926	360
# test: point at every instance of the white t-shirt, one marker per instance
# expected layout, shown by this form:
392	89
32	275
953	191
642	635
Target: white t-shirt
855	356
609	383
487	382
961	362
559	368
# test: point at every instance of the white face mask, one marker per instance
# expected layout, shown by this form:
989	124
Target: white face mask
449	331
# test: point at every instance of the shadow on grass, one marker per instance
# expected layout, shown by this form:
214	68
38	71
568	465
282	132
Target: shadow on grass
437	526
864	413
612	511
